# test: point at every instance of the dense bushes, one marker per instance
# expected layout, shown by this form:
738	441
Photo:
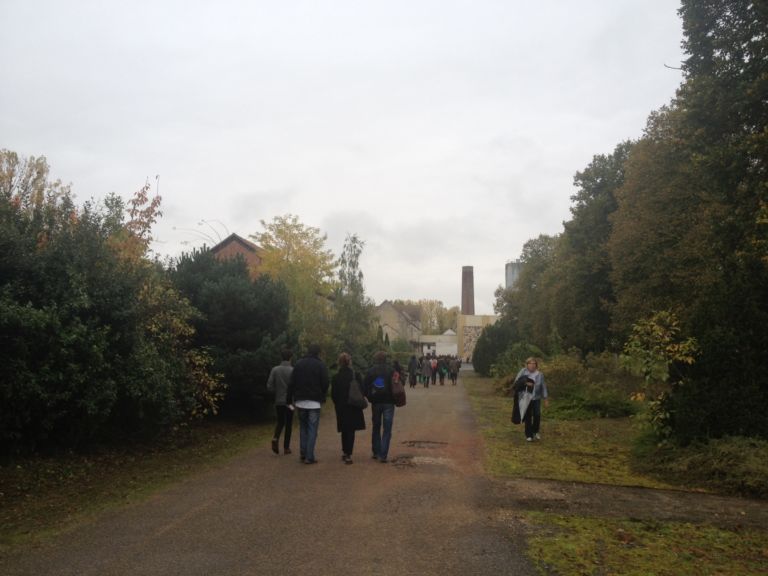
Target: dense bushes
493	341
580	389
242	322
95	344
733	465
596	386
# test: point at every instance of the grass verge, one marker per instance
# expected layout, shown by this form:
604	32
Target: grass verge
597	450
581	545
604	451
40	497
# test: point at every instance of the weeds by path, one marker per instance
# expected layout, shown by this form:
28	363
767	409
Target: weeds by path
596	451
603	451
40	496
582	545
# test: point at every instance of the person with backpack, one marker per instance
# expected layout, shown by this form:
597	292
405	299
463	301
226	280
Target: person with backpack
349	418
378	390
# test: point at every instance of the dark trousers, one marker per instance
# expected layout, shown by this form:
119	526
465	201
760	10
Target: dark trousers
532	418
284	420
347	440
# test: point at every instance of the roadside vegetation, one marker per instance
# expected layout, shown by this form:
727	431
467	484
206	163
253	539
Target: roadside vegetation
582	445
649	313
42	495
580	545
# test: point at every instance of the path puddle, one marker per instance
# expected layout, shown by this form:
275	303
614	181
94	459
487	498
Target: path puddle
408	460
428	444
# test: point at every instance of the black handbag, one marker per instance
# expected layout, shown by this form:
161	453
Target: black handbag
355	397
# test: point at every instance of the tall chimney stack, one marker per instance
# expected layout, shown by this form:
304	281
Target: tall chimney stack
467	291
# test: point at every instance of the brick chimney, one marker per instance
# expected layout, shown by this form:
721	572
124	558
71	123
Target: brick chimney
467	291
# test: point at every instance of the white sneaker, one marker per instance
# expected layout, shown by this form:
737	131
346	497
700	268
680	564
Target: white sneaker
529	439
537	436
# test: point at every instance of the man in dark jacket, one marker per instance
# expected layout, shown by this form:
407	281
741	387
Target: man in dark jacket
307	391
378	388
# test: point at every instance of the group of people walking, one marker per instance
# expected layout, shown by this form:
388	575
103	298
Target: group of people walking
429	369
304	388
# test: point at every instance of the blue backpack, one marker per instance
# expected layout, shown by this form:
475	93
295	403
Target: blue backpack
379	387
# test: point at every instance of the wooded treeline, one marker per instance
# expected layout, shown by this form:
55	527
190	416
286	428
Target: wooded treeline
669	234
101	342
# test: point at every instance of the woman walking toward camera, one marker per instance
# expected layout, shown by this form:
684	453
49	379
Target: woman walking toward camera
532	417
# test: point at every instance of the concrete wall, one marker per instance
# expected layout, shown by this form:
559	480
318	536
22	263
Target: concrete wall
469	329
442	345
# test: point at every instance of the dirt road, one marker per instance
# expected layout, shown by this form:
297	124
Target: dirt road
425	512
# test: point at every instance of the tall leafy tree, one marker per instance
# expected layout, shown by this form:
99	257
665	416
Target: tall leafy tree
528	299
295	254
434	316
354	311
689	233
579	284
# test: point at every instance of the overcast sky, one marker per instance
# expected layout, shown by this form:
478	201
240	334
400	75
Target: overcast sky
444	133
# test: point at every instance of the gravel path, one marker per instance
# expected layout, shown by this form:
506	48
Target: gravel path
428	511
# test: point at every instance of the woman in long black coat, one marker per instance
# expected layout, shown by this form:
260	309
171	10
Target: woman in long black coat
348	418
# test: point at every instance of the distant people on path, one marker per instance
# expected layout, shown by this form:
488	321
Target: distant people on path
413	370
442	369
453	369
277	383
307	391
427	371
349	418
378	388
433	370
532	417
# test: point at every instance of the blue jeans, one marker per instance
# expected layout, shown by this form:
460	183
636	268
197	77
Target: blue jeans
379	441
308	423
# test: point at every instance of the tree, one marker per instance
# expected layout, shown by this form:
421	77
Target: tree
354	312
243	322
579	282
435	318
494	340
659	246
689	231
94	343
296	255
530	295
448	319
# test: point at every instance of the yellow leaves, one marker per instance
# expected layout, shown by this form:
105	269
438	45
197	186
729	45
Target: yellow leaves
167	314
209	389
296	255
132	242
